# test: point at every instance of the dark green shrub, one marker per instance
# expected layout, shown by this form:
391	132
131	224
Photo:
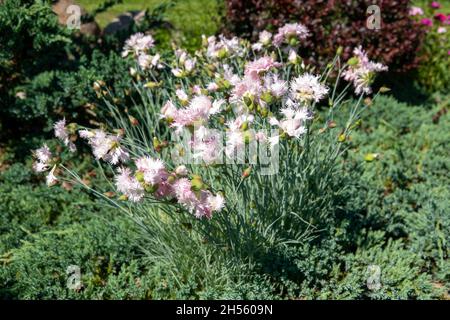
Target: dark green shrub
335	24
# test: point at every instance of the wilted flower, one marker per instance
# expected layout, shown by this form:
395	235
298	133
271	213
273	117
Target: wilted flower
43	157
51	178
62	134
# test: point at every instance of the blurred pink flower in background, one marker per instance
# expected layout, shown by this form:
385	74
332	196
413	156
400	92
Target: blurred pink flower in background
426	22
441	30
435	5
441	17
415	11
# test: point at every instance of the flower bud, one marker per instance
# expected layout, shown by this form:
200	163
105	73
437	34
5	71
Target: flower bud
151	188
181	171
197	183
133	120
246	172
353	61
139	176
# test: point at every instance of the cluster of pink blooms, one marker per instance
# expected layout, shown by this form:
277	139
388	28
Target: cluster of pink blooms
265	40
198	111
152	177
442	18
290	33
139	46
219	48
202	203
361	73
185	64
105	146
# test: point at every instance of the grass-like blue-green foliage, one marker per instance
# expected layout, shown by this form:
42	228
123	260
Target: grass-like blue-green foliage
312	230
395	216
267	216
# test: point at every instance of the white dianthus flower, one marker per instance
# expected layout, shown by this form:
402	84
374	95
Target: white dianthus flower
307	88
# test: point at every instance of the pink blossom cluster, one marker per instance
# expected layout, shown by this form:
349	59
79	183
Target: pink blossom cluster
185	64
105	146
442	18
151	177
201	203
361	71
139	46
198	111
221	47
290	33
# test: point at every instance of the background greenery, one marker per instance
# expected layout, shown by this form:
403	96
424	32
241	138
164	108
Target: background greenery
188	18
397	213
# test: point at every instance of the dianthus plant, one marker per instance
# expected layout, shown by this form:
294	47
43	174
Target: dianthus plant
227	141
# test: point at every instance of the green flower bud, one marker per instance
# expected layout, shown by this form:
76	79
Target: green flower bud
139	176
353	61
